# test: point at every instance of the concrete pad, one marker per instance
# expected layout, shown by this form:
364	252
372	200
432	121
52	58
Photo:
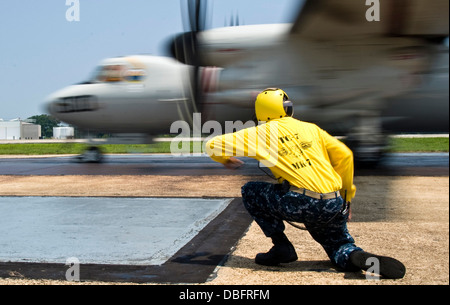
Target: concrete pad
119	231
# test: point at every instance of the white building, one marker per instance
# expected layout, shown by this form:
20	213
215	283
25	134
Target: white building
63	133
18	130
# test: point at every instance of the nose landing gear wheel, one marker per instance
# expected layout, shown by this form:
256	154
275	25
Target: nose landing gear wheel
92	154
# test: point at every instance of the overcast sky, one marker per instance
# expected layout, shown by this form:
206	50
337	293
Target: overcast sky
42	52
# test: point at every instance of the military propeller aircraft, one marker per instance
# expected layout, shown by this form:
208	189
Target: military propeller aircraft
355	69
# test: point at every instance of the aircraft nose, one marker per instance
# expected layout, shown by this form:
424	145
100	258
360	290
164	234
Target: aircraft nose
49	105
59	103
55	104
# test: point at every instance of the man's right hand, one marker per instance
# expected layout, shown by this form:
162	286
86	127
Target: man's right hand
233	163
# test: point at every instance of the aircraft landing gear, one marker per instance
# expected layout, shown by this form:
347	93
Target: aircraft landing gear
92	154
367	154
368	142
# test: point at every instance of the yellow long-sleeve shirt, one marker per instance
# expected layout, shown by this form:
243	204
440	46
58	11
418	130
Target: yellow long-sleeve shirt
299	152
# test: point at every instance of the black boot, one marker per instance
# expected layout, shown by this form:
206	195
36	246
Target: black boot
390	268
282	252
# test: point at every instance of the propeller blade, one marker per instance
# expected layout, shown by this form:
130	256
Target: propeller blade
194	14
185	46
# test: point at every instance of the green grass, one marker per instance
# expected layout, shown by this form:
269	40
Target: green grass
77	148
419	145
396	145
41	149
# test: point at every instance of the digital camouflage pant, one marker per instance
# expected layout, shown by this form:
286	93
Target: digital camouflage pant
269	205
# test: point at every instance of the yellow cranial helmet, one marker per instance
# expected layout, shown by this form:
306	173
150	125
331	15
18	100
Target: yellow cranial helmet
273	103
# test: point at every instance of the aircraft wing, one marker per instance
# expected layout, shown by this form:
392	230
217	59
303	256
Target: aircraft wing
336	19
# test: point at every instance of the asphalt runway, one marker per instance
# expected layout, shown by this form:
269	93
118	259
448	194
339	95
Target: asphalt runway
405	164
139	240
44	231
121	231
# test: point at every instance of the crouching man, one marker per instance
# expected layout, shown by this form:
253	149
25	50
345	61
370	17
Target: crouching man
314	173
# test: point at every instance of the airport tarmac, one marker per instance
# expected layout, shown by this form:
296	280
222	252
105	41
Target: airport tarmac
403	213
140	240
120	231
423	164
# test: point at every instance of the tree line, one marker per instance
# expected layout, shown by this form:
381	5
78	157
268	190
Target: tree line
47	123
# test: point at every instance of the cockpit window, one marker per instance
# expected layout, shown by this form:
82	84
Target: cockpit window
110	73
113	73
